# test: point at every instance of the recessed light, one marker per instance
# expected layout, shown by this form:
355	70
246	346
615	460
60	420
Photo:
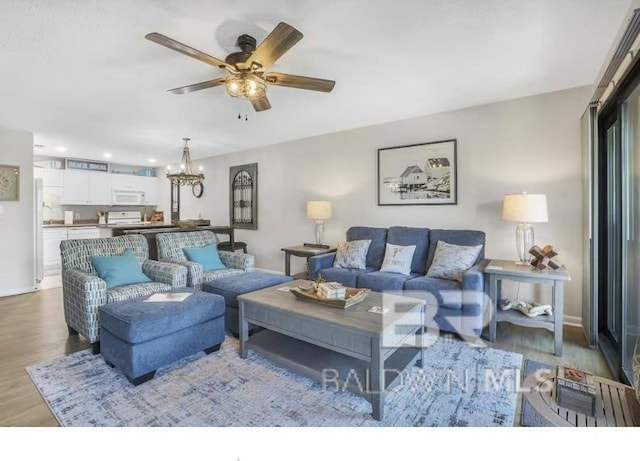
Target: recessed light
107	155
151	160
61	149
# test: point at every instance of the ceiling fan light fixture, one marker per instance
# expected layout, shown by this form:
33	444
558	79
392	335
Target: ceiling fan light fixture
247	86
186	176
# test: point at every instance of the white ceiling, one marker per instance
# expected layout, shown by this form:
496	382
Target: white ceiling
80	74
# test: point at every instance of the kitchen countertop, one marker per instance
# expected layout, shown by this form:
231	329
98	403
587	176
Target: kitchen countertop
112	226
142	225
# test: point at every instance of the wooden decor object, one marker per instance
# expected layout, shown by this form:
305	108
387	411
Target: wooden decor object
543	257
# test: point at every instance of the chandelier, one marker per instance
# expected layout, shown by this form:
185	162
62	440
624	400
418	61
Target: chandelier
247	86
186	176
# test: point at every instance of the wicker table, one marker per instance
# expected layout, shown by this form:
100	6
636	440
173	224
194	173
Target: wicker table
616	403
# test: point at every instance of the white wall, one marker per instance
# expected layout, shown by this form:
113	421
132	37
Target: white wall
16	224
530	144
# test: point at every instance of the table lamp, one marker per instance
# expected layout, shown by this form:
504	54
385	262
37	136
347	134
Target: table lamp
319	210
524	209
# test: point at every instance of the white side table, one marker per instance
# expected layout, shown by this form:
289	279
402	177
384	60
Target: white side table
499	270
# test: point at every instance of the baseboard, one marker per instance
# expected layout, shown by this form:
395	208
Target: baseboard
257	269
572	320
17	291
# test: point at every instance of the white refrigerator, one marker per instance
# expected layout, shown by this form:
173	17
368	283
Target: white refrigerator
37	231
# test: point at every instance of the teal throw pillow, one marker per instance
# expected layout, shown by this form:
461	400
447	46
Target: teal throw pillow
207	256
119	270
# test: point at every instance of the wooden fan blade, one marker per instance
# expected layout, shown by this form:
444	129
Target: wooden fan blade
198	86
187	50
260	104
298	81
277	43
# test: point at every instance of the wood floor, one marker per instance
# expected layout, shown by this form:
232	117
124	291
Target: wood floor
32	330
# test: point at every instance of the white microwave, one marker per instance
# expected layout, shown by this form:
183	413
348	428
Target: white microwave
127	197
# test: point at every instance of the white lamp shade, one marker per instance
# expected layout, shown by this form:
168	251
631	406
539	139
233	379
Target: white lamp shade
318	210
525	208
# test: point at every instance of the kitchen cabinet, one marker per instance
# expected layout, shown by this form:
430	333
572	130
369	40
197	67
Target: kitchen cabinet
86	188
51	238
84	232
151	190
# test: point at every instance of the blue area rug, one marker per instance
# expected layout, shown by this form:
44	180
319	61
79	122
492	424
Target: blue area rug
530	417
461	385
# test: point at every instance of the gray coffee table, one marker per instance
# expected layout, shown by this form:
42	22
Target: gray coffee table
333	346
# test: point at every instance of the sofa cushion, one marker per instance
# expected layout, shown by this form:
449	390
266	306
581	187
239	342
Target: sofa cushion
418	236
384	281
457	237
137	290
397	259
438	292
450	261
206	255
220	274
378	237
348	277
119	270
352	254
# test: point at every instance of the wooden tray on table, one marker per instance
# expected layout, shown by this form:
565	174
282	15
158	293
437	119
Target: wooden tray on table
352	296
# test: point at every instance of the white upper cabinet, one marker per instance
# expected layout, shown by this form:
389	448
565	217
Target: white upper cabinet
151	190
86	188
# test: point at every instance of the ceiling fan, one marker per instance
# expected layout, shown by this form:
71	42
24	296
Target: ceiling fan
247	77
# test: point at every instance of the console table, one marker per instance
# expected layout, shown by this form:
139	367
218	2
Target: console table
499	270
303	252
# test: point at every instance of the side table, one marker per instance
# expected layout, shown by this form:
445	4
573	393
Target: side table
499	270
303	252
616	403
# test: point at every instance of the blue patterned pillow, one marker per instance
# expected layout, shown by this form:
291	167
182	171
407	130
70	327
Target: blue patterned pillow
207	256
352	255
451	261
119	270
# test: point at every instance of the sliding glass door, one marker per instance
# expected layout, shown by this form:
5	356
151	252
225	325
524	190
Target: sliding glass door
619	231
630	236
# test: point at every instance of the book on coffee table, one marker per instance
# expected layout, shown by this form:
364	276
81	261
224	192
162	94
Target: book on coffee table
167	297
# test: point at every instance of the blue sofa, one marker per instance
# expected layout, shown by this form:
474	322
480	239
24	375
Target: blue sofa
453	306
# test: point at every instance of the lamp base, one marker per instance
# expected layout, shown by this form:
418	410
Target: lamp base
524	241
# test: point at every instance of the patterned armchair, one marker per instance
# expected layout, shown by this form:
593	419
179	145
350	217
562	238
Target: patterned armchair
84	292
171	244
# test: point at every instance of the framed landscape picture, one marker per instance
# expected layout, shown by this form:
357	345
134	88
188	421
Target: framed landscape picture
418	174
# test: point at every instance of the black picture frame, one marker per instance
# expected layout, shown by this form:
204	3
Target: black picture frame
243	196
418	174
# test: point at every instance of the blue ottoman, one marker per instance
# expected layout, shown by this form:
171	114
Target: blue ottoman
139	337
230	287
